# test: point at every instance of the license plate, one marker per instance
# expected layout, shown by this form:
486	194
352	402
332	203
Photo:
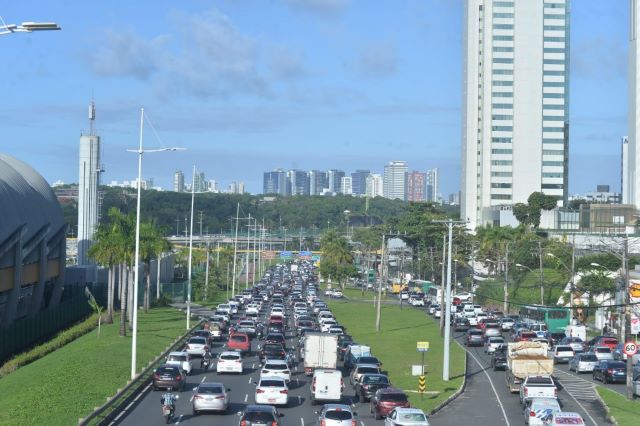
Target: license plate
271	400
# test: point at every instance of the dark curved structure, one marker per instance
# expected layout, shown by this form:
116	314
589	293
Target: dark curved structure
32	242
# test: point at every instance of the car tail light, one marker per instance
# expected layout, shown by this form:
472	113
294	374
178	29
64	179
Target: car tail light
178	377
526	392
156	376
284	391
610	370
555	392
313	385
354	423
274	423
243	423
323	422
220	397
259	391
532	413
197	397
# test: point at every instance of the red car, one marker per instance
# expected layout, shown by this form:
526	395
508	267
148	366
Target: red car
610	342
239	342
525	336
386	399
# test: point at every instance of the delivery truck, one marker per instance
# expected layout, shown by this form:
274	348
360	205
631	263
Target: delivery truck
526	359
320	351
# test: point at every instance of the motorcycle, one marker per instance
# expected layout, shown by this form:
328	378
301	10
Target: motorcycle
168	410
205	363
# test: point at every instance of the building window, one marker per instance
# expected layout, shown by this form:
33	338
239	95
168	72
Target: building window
500	196
546	106
554	50
502	4
501	162
503	15
553	84
502	128
502	72
503	60
552	152
553	96
505	27
553	62
552	186
502	106
502	117
553	163
501	174
553	175
554	28
500	140
554	16
502	83
503	49
501	185
552	140
502	38
553	5
502	94
558	39
501	151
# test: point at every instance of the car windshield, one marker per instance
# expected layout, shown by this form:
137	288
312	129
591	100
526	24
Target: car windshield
375	379
412	417
258	417
211	390
178	358
272	383
167	370
230	357
396	397
365	370
609	341
603	350
589	358
616	364
475	333
197	341
239	338
564	349
275	366
368	360
338	415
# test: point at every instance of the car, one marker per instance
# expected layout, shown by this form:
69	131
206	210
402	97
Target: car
461	324
204	333
239	342
576	343
506	323
260	415
196	346
327	324
603	353
168	377
336	415
328	292
464	296
636	384
416	301
272	351
229	362
275	338
610	371
432	309
337	294
276	367
326	385
210	396
368	384
368	359
361	369
474	337
562	353
539	409
583	363
387	399
492	329
492	343
525	336
610	342
437	313
272	390
247	327
406	417
180	359
499	358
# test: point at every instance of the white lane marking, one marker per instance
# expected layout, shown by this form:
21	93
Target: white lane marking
179	419
504	414
203	379
299	399
574	398
246	397
253	365
136	399
249	380
302	421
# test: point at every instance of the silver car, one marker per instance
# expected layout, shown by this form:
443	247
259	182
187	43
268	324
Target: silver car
336	415
210	396
406	417
583	363
493	343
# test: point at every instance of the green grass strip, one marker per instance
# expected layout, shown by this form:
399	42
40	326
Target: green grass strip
68	383
624	411
395	346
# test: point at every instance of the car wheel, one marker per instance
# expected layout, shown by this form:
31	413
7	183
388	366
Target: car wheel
195	412
605	379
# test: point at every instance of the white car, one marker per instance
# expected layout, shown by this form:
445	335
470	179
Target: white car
229	362
277	312
276	367
493	343
234	307
464	296
272	390
416	301
180	359
328	292
196	346
253	308
337	294
224	307
506	324
603	353
406	417
327	324
437	313
540	408
432	309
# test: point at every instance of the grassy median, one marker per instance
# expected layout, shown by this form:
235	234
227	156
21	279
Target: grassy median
66	384
624	411
395	346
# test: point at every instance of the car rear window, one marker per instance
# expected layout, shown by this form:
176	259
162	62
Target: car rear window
412	417
167	370
238	338
539	381
198	341
272	383
616	364
609	341
365	370
396	397
179	358
210	390
230	357
275	366
258	417
475	333
603	350
564	349
368	360
338	415
588	358
375	379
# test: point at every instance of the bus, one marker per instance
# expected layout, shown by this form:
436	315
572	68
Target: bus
556	319
432	292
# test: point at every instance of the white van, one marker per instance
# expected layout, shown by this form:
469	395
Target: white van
326	385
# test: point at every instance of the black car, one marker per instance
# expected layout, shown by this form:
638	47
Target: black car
275	338
461	324
610	371
272	351
499	358
260	415
368	384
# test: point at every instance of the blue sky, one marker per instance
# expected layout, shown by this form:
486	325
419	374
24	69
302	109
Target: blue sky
251	85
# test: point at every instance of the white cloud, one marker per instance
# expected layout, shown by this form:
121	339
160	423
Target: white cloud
286	64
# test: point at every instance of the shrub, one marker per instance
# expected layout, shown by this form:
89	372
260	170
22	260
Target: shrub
51	345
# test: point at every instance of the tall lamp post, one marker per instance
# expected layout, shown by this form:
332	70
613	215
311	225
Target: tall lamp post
134	333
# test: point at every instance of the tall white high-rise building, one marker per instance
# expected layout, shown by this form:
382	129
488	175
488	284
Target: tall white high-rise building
433	185
178	181
88	183
516	104
624	170
631	191
346	185
395	180
374	186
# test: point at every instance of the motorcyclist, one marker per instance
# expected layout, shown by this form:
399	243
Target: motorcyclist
205	362
168	399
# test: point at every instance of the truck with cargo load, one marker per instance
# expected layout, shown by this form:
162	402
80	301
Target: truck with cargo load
320	351
524	359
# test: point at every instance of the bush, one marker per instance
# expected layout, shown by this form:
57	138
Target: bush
61	339
162	302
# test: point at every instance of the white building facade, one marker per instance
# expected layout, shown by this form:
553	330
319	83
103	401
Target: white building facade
395	180
88	183
516	104
631	177
346	185
374	186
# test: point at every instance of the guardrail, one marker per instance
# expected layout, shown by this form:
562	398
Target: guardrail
109	411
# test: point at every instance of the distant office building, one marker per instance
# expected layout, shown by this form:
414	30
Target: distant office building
236	188
359	181
346	185
199	182
213	186
317	182
516	106
88	183
603	195
374	186
178	181
454	199
395	180
145	183
334	180
432	185
276	182
416	186
624	171
631	191
299	182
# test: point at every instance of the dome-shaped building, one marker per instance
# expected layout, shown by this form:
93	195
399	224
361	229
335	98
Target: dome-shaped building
32	242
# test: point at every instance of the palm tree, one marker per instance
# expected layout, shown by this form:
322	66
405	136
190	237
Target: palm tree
151	244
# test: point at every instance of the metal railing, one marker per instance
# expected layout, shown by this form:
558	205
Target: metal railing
110	411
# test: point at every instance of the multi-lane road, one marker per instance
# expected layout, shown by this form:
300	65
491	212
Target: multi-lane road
486	398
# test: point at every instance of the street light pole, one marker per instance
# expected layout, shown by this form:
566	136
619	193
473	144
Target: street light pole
235	253
193	197
382	279
505	307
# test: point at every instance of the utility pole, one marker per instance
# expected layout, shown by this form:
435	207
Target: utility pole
447	329
206	274
433	269
235	253
627	317
246	283
444	258
201	212
505	307
541	273
382	279
573	272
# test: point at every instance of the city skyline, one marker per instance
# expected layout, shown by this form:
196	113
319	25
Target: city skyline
360	101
